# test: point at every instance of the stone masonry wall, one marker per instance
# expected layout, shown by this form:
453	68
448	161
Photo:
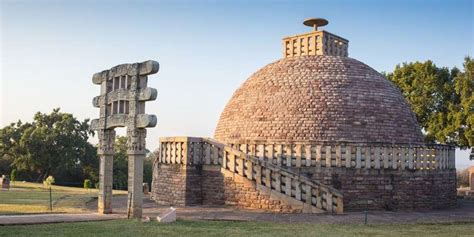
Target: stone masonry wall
390	189
193	185
223	187
376	189
175	184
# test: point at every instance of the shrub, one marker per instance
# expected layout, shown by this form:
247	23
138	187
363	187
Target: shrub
87	183
48	181
13	176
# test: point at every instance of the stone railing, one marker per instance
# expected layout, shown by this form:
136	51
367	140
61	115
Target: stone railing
205	151
352	155
315	43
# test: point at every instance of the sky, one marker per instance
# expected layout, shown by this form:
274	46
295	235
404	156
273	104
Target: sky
206	49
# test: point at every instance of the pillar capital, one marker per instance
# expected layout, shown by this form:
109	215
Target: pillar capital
106	142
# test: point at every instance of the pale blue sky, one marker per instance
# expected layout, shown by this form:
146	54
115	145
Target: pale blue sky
206	49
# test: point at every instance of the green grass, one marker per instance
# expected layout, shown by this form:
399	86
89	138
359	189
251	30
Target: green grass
24	197
229	228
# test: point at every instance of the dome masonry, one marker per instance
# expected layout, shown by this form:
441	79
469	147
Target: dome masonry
317	93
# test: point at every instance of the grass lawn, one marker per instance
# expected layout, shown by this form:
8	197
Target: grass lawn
118	228
34	198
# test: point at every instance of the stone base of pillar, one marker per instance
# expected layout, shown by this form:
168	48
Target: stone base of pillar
135	185
105	184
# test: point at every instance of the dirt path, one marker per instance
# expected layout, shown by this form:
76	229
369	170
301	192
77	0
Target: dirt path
464	212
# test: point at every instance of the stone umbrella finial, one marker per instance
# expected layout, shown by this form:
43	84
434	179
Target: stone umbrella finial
315	22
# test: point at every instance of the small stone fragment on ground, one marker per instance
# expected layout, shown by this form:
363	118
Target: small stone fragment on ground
168	216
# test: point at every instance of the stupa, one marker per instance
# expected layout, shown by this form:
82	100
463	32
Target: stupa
314	131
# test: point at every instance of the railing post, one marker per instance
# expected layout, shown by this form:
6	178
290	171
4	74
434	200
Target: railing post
268	178
288	154
318	156
224	159
309	195
298	190
358	157
329	202
338	156
298	155
328	156
377	157
410	158
395	157
249	172
385	157
288	185
258	174
279	153
308	155
231	162
278	182
367	156
348	156
339	206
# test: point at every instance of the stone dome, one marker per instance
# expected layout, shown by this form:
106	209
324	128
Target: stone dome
318	98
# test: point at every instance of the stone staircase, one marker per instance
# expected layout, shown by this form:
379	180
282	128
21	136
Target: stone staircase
277	182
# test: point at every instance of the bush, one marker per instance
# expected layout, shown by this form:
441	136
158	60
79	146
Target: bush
87	183
48	181
13	176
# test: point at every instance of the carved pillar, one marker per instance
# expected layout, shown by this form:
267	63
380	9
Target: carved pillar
106	153
136	155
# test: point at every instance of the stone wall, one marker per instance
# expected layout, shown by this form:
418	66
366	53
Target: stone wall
176	185
389	189
182	185
223	187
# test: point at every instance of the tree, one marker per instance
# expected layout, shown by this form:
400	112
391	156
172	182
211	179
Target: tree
120	175
463	113
53	144
441	99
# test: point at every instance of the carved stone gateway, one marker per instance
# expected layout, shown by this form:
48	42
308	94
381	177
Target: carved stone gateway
121	101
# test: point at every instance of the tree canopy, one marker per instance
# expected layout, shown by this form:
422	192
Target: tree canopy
441	98
53	144
120	166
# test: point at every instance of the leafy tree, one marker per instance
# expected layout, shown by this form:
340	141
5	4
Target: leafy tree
120	175
441	99
463	113
53	144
